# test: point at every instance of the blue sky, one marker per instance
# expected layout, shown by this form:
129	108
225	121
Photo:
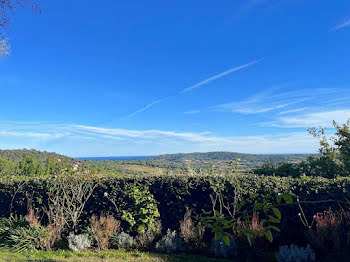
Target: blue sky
89	78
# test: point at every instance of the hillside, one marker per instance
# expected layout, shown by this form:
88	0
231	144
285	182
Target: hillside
16	155
226	156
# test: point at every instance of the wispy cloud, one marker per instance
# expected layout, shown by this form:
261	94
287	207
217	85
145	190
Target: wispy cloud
146	107
197	85
72	139
218	76
192	112
341	26
324	119
293	111
288	101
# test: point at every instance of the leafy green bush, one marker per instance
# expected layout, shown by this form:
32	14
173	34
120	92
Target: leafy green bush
8	227
174	193
141	211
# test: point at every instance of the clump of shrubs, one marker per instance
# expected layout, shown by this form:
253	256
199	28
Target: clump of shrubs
294	253
170	243
79	242
27	233
122	241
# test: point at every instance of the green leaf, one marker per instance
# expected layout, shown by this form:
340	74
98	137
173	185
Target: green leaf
279	199
218	236
253	196
288	198
275	228
226	240
273	219
268	235
277	212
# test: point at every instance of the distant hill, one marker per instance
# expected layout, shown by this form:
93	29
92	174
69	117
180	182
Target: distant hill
226	156
17	155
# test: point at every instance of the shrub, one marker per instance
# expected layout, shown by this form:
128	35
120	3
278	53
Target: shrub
170	243
328	230
103	228
27	233
219	248
79	242
191	233
8	226
68	195
122	241
141	211
173	193
145	239
295	253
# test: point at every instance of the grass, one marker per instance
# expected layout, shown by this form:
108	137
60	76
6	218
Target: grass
7	255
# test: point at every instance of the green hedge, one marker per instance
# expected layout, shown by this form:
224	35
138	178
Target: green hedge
175	193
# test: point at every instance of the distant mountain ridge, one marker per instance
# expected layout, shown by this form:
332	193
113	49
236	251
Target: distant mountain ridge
226	156
17	155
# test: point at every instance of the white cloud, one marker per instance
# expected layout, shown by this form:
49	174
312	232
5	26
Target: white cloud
340	26
293	110
324	119
273	101
83	140
192	112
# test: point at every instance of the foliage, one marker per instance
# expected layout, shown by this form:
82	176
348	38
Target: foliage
228	156
170	243
295	253
219	248
122	241
174	193
17	155
6	167
103	228
28	233
79	242
141	211
8	226
254	216
334	159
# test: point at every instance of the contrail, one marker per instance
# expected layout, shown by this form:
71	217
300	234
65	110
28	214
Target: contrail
145	107
210	79
204	82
